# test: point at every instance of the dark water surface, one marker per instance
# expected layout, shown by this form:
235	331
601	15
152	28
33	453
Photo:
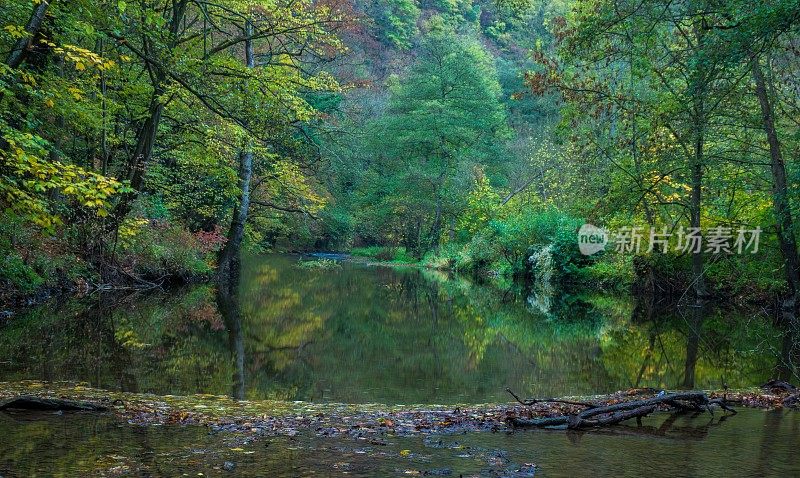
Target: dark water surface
372	334
753	443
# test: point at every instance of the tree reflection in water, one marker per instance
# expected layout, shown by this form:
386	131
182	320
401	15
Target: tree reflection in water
370	334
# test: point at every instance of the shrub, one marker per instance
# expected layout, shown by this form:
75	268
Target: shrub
158	249
610	272
384	253
17	275
505	244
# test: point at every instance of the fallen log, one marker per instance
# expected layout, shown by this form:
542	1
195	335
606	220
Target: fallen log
25	402
599	416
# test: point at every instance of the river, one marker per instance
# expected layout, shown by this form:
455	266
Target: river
368	334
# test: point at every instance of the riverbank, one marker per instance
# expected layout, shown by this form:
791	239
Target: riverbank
663	276
143	254
753	443
282	418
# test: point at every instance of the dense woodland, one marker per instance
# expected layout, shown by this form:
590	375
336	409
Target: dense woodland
144	142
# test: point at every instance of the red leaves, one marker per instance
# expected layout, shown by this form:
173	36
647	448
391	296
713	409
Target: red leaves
210	241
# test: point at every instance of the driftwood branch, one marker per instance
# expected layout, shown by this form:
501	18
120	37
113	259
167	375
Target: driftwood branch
599	416
36	403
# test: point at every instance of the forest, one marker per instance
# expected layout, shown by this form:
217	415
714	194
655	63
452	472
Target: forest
151	141
379	202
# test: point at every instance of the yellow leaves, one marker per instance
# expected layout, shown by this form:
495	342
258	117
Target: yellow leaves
49	103
83	58
289	183
16	31
130	228
482	202
27	78
76	92
29	179
127	338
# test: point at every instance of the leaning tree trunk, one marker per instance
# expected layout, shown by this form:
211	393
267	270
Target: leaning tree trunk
20	49
780	195
142	152
146	136
229	257
22	46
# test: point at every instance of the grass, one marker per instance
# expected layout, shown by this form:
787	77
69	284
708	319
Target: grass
385	254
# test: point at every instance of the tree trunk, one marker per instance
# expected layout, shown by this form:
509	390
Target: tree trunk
698	280
146	136
780	197
436	227
143	151
20	49
697	89
229	257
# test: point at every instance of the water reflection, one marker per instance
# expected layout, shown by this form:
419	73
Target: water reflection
752	443
367	334
228	305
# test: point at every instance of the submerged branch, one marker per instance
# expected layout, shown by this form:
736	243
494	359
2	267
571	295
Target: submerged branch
598	416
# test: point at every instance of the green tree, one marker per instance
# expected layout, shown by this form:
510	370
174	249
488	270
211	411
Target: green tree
444	116
396	21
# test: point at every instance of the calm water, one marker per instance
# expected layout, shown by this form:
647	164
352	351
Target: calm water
752	443
370	334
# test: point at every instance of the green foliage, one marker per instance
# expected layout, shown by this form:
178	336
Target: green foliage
31	260
442	118
396	21
511	241
16	274
105	102
471	136
196	190
158	249
386	254
608	273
